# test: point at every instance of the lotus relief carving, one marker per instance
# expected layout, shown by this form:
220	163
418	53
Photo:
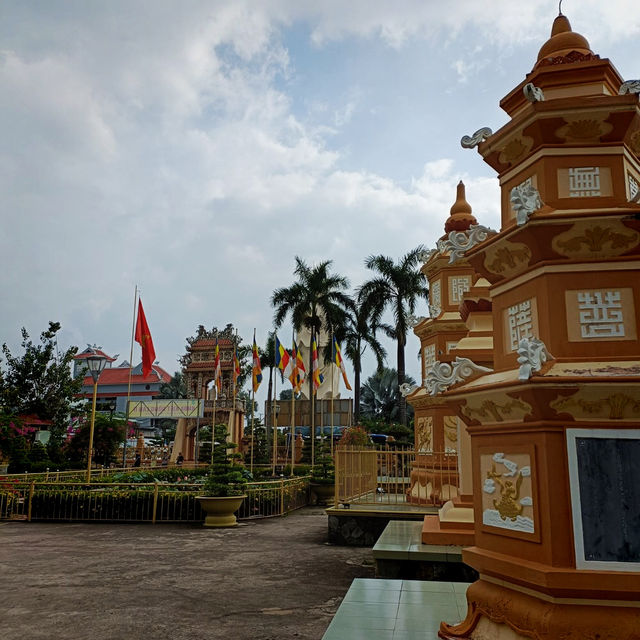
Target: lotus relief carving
617	406
514	150
613	238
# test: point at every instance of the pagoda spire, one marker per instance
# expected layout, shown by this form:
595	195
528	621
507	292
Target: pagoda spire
460	218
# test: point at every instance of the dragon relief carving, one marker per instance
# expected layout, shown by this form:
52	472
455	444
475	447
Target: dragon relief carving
505	260
508	506
490	410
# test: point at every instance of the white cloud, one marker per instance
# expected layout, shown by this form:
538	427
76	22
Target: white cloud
169	148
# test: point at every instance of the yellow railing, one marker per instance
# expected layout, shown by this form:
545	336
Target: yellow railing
139	502
395	476
50	475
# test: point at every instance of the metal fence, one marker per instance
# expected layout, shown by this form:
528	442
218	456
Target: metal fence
395	476
148	502
80	475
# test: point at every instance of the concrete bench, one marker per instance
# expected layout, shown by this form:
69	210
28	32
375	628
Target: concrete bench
378	609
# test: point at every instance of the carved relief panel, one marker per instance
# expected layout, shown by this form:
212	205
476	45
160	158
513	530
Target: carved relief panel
450	426
584	182
520	321
428	358
508	500
424	434
435	299
600	314
458	286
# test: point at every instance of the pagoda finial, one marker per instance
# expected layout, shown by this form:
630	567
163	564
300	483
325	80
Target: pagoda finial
563	39
460	218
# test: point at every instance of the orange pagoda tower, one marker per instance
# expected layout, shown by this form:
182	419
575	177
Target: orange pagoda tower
555	427
435	475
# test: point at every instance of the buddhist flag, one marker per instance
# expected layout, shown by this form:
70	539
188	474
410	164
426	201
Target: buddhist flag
143	338
339	362
301	372
282	358
317	378
216	365
257	369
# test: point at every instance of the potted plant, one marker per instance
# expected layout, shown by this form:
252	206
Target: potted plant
223	488
323	478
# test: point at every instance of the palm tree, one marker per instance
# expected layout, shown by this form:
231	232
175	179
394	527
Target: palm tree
380	396
397	286
360	333
316	301
268	361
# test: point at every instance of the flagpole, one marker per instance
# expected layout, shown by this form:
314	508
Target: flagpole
253	402
333	351
293	403
235	382
272	400
126	428
313	398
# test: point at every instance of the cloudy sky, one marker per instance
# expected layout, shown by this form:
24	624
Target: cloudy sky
193	148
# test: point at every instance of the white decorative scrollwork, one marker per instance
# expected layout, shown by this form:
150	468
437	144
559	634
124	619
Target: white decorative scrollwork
425	256
406	389
533	93
532	354
468	142
458	242
630	86
525	199
442	374
414	321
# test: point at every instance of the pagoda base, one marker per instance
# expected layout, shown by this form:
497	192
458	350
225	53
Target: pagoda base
433	480
454	524
504	612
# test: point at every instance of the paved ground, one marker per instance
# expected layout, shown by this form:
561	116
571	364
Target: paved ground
273	579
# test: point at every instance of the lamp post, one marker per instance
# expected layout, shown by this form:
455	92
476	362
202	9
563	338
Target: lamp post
96	364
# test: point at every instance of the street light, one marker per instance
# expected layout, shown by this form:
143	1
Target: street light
96	364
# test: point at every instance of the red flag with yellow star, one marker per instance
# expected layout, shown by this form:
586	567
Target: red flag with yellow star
143	338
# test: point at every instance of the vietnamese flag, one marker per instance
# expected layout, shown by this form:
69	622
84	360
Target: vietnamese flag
143	338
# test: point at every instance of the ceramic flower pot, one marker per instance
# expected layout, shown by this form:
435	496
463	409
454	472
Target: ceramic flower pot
220	510
324	493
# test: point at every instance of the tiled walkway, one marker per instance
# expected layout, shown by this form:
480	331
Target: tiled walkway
402	540
376	609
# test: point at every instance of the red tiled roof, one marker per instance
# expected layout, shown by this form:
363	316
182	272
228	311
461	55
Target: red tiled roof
222	342
95	352
120	375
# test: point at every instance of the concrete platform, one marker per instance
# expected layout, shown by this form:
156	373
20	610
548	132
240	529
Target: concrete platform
375	609
399	553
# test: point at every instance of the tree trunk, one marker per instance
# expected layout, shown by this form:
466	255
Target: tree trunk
401	369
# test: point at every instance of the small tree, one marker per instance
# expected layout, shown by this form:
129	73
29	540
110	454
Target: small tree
39	382
225	477
108	433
